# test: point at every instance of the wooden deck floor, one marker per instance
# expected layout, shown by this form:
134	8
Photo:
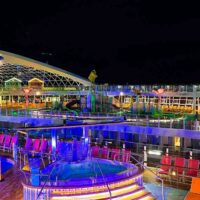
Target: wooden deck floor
11	188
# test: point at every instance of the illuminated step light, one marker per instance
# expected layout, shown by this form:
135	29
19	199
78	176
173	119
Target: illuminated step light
155	152
173	173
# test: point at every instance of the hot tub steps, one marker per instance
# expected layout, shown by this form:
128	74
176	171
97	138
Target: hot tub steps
129	192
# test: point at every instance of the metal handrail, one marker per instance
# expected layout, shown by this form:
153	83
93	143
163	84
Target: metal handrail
172	149
104	179
147	168
144	167
47	179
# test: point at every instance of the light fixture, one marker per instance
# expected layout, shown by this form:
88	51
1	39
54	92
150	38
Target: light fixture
37	93
173	173
155	152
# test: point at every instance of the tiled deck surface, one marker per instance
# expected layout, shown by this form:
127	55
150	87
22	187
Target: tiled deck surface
155	188
169	193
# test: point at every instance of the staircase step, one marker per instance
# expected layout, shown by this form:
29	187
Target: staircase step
132	194
103	195
127	192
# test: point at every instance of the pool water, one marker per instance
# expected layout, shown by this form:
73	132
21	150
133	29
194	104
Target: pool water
85	169
5	165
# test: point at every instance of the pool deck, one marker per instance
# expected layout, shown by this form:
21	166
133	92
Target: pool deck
11	187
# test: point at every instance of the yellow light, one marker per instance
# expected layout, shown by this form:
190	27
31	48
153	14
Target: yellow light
26	168
173	173
38	93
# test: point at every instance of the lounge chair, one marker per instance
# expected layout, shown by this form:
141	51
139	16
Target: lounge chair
126	155
7	141
28	145
1	139
14	140
43	146
115	154
165	165
193	166
179	165
95	151
104	153
36	145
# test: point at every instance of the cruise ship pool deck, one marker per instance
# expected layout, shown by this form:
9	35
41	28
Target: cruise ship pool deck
92	159
12	188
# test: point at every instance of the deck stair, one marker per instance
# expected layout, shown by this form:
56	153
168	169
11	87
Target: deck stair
130	191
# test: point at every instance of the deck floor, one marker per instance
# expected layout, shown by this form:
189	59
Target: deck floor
171	192
11	188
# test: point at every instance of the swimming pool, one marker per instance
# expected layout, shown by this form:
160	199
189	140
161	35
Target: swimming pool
87	172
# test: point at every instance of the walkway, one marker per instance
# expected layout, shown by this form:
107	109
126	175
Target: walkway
155	188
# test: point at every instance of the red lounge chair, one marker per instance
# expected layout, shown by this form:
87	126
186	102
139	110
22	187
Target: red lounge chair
179	165
95	151
14	140
49	147
165	164
29	144
43	146
1	139
36	145
126	155
7	141
193	166
104	152
115	154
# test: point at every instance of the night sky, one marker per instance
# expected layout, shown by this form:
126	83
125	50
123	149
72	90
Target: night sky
126	41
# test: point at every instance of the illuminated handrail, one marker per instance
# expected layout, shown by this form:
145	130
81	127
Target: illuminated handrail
104	179
144	167
90	153
54	165
147	168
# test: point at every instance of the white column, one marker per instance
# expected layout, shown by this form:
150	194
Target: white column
190	154
167	151
145	156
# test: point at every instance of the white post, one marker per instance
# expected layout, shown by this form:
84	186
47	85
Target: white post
106	143
124	146
190	154
24	159
167	151
145	156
